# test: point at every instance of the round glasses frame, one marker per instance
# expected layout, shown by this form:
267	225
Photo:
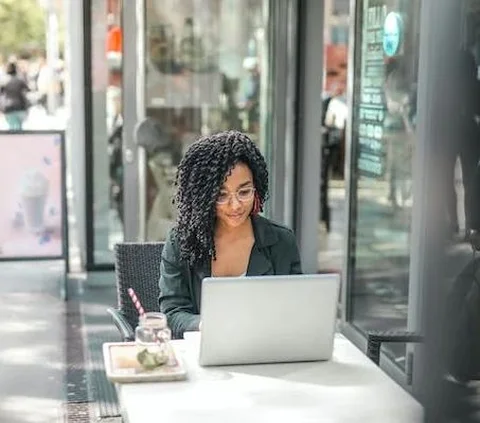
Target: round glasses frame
240	198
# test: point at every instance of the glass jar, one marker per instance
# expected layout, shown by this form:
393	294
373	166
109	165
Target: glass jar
152	337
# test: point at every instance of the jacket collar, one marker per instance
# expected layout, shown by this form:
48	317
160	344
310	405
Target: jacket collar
265	236
260	261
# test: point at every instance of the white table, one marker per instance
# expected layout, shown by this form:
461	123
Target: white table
349	388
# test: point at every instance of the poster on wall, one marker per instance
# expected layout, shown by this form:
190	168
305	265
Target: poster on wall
371	111
32	215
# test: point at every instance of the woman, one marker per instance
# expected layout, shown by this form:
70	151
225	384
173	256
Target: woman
222	184
13	99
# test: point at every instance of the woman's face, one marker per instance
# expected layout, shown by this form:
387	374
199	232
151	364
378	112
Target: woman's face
235	200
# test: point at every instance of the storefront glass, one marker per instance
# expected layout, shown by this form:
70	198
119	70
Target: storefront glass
205	71
331	255
383	145
106	127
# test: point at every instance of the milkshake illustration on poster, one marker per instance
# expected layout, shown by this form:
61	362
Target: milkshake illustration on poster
31	194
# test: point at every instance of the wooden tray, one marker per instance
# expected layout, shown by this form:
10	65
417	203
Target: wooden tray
121	365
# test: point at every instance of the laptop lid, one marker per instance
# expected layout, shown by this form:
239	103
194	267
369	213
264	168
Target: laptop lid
268	319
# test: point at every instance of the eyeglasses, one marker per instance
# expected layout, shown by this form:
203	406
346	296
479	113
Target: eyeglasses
242	195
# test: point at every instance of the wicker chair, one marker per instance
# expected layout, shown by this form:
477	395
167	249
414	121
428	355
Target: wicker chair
137	266
375	340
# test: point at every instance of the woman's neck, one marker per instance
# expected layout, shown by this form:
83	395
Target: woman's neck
223	231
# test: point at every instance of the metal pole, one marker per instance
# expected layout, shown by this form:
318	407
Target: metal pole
436	133
309	129
133	109
75	128
51	21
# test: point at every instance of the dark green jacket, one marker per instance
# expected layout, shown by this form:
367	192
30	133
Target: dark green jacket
274	252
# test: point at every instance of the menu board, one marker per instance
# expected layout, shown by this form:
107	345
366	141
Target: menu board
371	108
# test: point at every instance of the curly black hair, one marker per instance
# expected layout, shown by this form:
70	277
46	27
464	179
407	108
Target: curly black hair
200	176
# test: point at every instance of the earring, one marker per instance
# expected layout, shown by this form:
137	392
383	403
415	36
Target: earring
257	208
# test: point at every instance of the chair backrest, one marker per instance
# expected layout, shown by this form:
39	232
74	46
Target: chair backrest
137	266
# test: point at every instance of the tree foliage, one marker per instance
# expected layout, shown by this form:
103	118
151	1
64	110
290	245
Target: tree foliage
22	26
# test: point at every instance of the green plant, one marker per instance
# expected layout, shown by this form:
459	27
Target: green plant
22	24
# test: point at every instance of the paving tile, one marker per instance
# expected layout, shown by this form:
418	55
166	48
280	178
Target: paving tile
32	347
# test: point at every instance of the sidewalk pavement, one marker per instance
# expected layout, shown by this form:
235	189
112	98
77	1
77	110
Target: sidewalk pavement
32	346
99	328
38	119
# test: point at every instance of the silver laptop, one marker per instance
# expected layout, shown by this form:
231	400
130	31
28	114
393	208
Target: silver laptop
268	319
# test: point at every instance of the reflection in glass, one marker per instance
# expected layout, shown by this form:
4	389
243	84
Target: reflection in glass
384	142
106	77
203	75
331	229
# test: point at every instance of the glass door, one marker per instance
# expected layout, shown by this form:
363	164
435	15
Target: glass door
331	229
384	143
192	68
103	130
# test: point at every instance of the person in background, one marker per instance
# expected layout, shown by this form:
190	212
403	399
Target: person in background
222	185
13	99
23	67
398	129
45	80
466	140
60	84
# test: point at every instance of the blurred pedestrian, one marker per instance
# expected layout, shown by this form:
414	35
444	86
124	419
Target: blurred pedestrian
13	99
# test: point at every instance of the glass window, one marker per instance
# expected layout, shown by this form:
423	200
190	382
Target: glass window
384	118
205	71
341	7
331	230
339	34
106	79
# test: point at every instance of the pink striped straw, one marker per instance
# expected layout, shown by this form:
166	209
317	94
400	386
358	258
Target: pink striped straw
136	302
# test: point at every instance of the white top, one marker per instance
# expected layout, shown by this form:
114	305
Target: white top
239	276
349	388
45	79
336	116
